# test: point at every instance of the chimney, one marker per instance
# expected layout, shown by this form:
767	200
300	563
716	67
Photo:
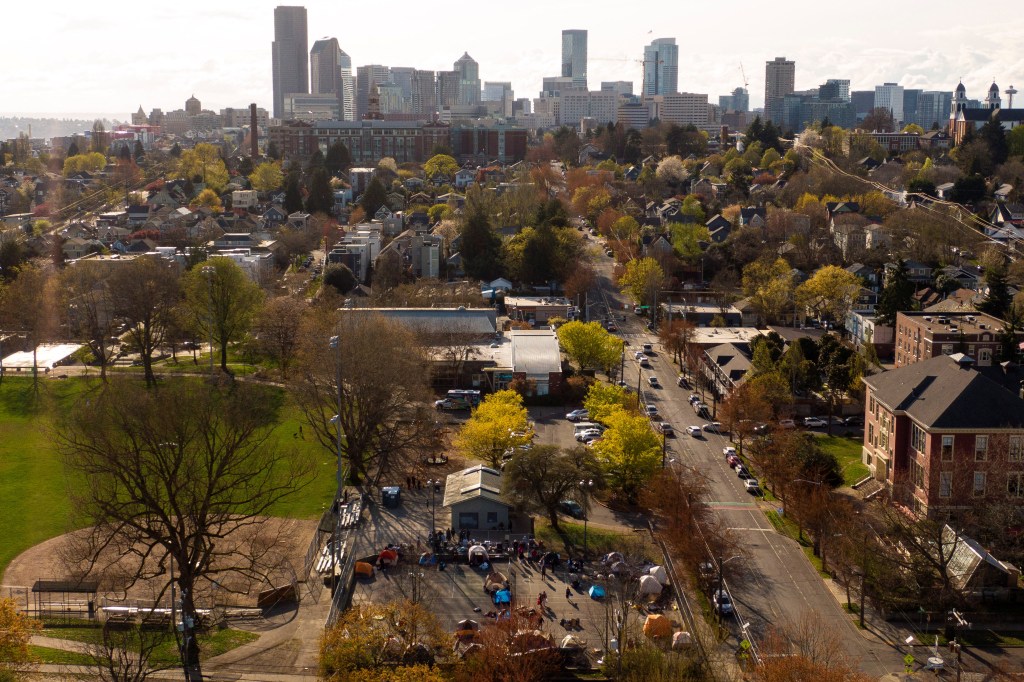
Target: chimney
254	133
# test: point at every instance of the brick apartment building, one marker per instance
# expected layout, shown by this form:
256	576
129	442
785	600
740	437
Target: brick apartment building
944	435
921	335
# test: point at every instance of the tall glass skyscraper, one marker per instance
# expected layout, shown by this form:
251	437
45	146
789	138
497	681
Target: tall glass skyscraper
574	57
289	54
661	67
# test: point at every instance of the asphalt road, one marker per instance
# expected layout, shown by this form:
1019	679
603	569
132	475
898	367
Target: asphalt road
773	583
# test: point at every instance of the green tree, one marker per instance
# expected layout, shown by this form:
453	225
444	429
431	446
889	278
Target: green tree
589	344
1015	141
496	425
91	162
221	302
770	286
441	165
316	160
629	452
375	196
994	135
968	189
998	301
641	278
267	177
321	196
338	158
687	239
829	293
274	152
204	164
897	295
604	399
340	277
538	479
480	245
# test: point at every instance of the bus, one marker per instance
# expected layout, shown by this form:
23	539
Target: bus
469	396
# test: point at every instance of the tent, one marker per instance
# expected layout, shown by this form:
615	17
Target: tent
619	567
387	557
476	555
596	592
660	574
495	581
467	624
531	639
571	642
657	625
503	597
466	629
611	557
681	639
649	585
364	569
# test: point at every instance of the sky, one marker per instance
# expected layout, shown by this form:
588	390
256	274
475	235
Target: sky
111	57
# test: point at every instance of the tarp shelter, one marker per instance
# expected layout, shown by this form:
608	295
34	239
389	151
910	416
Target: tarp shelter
503	597
495	581
611	557
619	567
364	569
467	624
649	585
657	625
571	642
596	592
387	557
681	639
660	574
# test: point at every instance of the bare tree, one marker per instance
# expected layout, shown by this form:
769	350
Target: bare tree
277	330
28	306
144	294
186	473
382	389
125	653
88	309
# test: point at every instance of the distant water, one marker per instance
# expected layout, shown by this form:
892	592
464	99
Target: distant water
78	116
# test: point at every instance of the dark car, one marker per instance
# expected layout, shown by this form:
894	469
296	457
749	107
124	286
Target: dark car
571	508
855	420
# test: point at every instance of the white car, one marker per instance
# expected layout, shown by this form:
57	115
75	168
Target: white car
752	486
578	415
728	450
651	410
693	431
713	427
588	435
644	362
653	381
814	423
638	355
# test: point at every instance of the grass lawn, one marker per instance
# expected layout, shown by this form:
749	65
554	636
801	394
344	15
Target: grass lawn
847	451
59	656
34	484
599	540
166	653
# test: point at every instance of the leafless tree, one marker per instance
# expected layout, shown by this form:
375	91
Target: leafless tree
88	310
28	305
186	473
125	653
277	329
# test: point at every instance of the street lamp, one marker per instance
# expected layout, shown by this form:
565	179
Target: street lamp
435	486
721	569
335	344
209	271
586	486
664	444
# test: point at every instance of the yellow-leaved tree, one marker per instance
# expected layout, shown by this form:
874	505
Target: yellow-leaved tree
769	285
16	659
641	279
604	399
590	345
499	423
629	452
203	164
829	293
267	177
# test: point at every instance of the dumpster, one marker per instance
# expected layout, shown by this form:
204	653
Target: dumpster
391	496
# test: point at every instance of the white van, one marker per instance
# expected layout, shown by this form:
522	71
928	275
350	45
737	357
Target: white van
585	426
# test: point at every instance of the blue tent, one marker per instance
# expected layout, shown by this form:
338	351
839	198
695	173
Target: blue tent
503	597
596	592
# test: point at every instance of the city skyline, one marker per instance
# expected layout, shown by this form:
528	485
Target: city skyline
227	62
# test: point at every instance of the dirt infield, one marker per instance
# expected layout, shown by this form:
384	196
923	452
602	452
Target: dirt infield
273	554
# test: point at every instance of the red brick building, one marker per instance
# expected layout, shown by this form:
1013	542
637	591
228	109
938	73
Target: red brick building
944	436
921	335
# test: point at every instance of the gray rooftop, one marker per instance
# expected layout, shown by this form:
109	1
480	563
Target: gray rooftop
941	393
535	352
471	483
476	321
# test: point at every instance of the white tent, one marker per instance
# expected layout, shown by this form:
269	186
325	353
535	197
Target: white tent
660	574
681	639
649	585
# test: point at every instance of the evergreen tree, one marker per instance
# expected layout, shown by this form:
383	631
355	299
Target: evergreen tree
72	150
315	161
292	193
321	197
897	295
123	154
245	166
338	158
139	152
998	300
754	132
480	245
995	137
175	150
375	196
273	152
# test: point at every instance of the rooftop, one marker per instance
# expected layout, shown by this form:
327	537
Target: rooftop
535	352
482	321
471	483
966	322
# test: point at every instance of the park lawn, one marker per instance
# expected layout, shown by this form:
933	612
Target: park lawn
848	452
165	655
50	656
34	484
600	541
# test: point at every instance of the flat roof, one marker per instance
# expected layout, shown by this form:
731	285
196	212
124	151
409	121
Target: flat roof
712	336
47	356
960	322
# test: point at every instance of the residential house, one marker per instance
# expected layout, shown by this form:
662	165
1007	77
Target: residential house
867	274
936	139
834	208
863	328
945	436
1007	215
137	215
719	227
657	246
924	335
725	367
848	234
959	301
274	216
419	254
77	247
464	178
944	191
298	220
967	276
917	272
258	265
753	216
245	199
1002	193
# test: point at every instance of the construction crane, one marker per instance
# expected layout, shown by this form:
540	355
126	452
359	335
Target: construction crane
746	83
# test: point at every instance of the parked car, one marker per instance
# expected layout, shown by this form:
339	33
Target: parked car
694	431
787	424
722	603
665	428
653	381
644	362
855	420
835	421
704	412
713	427
728	451
580	415
752	486
742	472
733	461
611	327
814	423
571	508
588	435
694	398
762	429
681	381
638	355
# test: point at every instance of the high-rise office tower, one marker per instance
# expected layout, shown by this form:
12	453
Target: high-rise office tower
330	71
469	80
367	77
424	93
661	67
574	57
739	100
447	88
890	96
836	89
289	50
779	81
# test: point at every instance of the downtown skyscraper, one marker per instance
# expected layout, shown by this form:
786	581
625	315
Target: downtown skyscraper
290	51
779	81
661	67
330	70
574	57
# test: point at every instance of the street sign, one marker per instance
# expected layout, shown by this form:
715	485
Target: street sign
909	659
745	644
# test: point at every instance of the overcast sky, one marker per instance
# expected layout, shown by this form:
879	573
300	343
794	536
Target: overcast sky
109	58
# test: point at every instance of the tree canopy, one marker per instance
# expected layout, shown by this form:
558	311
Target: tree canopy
499	423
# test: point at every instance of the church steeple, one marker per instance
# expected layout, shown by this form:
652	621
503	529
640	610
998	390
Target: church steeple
959	102
993	101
